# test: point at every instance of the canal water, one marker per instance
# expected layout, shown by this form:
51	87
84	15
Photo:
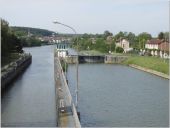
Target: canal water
30	100
110	95
120	96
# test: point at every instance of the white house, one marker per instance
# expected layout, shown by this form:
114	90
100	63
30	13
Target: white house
123	43
153	44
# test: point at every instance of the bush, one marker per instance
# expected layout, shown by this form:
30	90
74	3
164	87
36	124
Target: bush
119	50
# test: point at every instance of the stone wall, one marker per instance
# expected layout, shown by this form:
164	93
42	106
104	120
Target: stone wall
14	69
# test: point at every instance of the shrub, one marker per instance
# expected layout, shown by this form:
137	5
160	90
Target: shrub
119	50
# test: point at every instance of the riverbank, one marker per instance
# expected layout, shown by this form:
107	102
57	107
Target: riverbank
150	71
148	62
12	70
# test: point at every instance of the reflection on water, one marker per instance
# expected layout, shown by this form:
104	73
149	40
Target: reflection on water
120	96
30	101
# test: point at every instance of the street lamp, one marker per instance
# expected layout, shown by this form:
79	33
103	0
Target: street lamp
77	64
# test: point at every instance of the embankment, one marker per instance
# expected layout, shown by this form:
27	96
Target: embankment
150	71
14	69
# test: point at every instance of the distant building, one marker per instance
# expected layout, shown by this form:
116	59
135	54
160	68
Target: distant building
153	44
62	48
123	43
158	47
93	40
164	49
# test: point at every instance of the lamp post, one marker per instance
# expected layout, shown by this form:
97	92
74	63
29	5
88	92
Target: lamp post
77	64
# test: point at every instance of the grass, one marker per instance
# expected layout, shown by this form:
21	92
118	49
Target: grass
154	63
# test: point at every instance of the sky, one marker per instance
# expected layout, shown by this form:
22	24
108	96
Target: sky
89	16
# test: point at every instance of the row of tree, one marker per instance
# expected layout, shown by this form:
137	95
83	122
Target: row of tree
105	44
9	41
24	31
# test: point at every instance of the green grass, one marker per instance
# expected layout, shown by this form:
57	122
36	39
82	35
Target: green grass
154	63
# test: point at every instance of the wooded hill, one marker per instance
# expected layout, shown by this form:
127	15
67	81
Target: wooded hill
23	31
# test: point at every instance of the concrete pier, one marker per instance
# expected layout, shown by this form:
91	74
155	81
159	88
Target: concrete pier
66	111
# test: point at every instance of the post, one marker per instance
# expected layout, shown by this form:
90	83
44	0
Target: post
77	64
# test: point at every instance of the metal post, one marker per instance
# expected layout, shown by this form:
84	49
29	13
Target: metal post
77	64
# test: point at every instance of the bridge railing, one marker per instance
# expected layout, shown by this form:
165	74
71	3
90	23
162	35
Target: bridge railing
68	94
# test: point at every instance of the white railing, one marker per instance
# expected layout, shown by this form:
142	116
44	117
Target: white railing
68	94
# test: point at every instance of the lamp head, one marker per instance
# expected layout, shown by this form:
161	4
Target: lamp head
56	22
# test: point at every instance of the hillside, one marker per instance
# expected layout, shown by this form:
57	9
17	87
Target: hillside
23	31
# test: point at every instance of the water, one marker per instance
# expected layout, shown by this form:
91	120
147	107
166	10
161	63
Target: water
110	95
30	100
120	96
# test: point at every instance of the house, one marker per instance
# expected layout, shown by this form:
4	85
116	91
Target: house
123	43
93	40
158	47
164	49
153	44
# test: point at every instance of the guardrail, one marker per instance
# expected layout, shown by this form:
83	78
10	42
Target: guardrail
68	94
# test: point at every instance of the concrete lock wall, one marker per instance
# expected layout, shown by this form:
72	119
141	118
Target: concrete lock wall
11	71
63	93
114	59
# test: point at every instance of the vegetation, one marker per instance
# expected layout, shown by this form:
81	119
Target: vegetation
10	44
154	63
32	41
28	36
101	42
24	31
119	50
64	65
96	42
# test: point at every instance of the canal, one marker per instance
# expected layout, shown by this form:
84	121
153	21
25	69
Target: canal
110	95
30	100
120	96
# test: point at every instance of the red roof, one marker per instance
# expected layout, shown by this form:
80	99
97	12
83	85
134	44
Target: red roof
154	41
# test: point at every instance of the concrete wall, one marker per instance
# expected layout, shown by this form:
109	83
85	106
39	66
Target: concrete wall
95	59
14	69
114	59
67	118
91	59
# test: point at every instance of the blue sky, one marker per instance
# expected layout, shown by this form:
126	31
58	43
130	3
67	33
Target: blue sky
89	16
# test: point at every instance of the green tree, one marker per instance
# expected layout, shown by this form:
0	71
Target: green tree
9	42
119	50
142	39
161	35
106	34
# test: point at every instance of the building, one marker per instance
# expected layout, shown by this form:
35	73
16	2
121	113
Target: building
123	43
164	49
62	48
158	47
153	44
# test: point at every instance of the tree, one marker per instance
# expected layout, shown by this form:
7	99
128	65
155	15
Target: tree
142	38
9	42
131	37
161	35
119	50
120	35
107	33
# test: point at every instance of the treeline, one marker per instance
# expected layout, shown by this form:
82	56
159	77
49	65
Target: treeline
10	43
106	42
24	31
28	36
